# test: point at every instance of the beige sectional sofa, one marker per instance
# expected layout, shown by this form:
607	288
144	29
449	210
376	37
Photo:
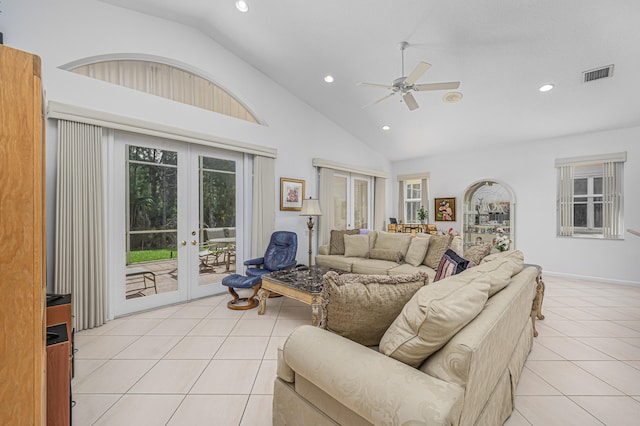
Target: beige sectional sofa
326	379
412	260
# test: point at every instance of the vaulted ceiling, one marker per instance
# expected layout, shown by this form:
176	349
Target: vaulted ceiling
500	51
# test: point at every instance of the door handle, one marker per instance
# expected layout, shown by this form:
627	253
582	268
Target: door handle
194	242
184	243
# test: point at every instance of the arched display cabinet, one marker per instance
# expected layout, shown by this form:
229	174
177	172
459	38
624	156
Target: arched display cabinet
488	205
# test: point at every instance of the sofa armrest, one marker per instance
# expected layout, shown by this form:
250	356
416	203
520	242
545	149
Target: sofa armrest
323	249
378	388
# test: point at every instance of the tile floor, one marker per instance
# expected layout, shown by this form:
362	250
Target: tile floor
201	363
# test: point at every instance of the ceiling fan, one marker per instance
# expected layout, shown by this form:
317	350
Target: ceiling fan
405	85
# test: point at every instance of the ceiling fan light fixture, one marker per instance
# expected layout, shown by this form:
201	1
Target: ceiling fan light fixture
328	78
242	6
546	87
452	97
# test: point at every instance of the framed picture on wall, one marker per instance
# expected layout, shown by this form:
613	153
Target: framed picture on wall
445	209
291	194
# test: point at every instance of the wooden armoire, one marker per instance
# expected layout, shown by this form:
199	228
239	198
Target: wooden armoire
22	238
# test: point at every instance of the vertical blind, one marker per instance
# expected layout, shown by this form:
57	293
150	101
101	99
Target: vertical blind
80	252
264	206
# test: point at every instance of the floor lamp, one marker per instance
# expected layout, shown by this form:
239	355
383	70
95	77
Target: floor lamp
310	207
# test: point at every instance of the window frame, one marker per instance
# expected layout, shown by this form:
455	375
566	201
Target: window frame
610	167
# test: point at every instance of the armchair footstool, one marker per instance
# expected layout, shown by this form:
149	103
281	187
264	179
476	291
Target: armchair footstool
234	281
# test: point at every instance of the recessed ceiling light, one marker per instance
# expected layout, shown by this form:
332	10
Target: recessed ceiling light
242	6
546	87
385	127
328	78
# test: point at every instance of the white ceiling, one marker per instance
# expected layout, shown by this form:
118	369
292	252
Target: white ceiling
501	52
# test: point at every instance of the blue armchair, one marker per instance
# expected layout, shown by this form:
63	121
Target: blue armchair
280	254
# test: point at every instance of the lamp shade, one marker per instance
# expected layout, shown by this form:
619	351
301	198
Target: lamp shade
310	207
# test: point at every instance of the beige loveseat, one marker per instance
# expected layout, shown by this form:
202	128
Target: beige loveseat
326	379
420	253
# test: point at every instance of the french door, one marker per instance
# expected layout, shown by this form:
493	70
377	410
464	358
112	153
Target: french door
173	221
352	201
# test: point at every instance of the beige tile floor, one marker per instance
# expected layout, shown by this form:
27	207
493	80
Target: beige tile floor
201	363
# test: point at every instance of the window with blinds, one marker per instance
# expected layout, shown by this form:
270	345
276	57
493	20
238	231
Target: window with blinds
169	82
590	196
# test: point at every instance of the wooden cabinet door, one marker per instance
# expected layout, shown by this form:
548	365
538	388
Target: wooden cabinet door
22	281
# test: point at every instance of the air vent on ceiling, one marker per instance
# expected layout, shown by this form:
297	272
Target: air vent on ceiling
597	74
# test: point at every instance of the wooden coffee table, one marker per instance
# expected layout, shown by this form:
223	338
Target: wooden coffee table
304	286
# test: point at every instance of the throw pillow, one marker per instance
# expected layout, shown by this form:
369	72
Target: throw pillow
393	241
417	250
450	264
336	243
475	254
386	254
438	244
433	316
361	307
356	246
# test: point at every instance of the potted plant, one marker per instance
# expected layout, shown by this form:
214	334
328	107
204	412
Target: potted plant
422	214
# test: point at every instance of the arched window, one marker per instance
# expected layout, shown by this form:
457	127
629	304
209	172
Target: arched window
167	81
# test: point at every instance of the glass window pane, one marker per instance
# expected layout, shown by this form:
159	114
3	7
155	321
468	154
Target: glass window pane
580	186
597	215
580	199
412	211
597	185
580	215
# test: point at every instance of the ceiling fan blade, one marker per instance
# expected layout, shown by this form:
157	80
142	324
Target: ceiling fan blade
417	72
378	86
410	101
379	100
437	86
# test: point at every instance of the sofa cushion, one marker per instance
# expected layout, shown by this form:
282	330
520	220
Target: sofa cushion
361	307
386	254
417	250
475	254
336	262
393	241
373	266
438	244
356	245
450	264
336	243
433	315
514	259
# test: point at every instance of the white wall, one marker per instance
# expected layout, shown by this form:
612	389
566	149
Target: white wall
62	31
529	169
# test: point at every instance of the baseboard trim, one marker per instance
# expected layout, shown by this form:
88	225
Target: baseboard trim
589	278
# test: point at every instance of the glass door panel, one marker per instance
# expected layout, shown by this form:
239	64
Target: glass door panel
217	200
340	189
152	222
360	203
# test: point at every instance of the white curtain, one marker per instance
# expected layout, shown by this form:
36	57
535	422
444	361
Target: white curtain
80	253
612	199
424	195
380	201
401	189
325	222
264	205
